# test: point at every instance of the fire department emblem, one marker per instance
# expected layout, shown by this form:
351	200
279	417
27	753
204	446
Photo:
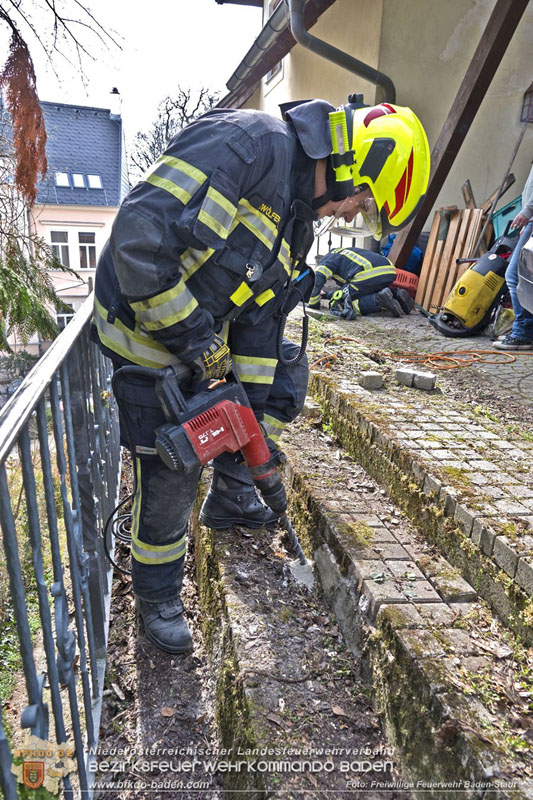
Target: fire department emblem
33	774
44	763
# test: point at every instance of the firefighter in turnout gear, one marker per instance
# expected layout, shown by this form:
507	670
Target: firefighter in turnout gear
364	277
205	254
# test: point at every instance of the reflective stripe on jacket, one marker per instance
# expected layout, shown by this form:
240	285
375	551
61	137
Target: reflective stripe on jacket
205	236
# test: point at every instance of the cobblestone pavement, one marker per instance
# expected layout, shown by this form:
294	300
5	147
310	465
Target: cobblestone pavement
480	470
478	456
415	332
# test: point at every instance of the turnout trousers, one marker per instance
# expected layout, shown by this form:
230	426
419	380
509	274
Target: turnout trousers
164	498
365	285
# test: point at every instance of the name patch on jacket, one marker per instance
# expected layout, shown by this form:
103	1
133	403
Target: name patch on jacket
270	213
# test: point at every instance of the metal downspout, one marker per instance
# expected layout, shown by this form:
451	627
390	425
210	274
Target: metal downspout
335	55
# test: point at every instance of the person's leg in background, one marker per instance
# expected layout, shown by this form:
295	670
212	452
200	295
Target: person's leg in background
521	334
371	293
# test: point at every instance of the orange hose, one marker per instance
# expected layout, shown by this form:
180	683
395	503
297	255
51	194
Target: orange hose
456	359
341	339
331	356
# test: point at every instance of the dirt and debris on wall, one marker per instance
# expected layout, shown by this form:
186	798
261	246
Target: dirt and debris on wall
299	679
158	708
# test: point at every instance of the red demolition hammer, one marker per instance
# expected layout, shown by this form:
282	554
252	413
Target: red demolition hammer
212	422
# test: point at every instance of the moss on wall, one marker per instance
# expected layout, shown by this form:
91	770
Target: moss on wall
392	466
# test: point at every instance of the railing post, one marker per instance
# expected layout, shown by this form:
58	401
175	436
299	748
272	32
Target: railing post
78	383
35	715
111	443
7	781
104	472
78	567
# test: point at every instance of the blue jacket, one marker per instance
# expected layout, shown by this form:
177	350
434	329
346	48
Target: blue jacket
217	229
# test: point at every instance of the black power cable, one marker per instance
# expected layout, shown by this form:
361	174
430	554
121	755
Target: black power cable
120	522
290	362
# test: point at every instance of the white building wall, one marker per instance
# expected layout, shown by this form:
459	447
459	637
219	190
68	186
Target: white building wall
425	47
72	220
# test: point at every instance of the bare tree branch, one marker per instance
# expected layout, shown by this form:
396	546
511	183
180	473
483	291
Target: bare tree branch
62	27
26	290
173	114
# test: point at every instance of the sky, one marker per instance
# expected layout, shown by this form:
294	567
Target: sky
164	44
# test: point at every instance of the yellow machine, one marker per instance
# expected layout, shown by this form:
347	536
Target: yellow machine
478	292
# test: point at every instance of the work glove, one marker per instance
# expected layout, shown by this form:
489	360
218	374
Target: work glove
341	305
214	363
300	289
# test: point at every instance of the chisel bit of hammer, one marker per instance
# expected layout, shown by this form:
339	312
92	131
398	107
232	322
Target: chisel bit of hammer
296	547
301	569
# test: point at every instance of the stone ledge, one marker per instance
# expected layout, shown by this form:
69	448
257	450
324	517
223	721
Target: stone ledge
433	507
282	680
406	647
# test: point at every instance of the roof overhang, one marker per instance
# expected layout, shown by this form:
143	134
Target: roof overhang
256	3
272	44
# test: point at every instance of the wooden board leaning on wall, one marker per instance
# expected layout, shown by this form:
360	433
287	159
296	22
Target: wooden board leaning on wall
453	235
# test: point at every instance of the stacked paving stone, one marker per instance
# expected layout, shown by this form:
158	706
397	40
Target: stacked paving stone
417	378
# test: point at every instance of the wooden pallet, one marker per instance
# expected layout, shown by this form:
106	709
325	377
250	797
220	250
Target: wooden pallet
453	235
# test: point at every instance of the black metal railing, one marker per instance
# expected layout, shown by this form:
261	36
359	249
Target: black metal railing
60	464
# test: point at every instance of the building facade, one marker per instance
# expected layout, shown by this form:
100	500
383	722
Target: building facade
78	199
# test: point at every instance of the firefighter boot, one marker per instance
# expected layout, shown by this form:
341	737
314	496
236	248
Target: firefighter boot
165	625
387	302
405	300
230	502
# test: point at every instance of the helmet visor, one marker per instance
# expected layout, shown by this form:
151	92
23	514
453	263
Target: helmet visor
370	218
357	215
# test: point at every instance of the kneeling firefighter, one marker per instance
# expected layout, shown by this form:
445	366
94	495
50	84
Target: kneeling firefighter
365	278
206	256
